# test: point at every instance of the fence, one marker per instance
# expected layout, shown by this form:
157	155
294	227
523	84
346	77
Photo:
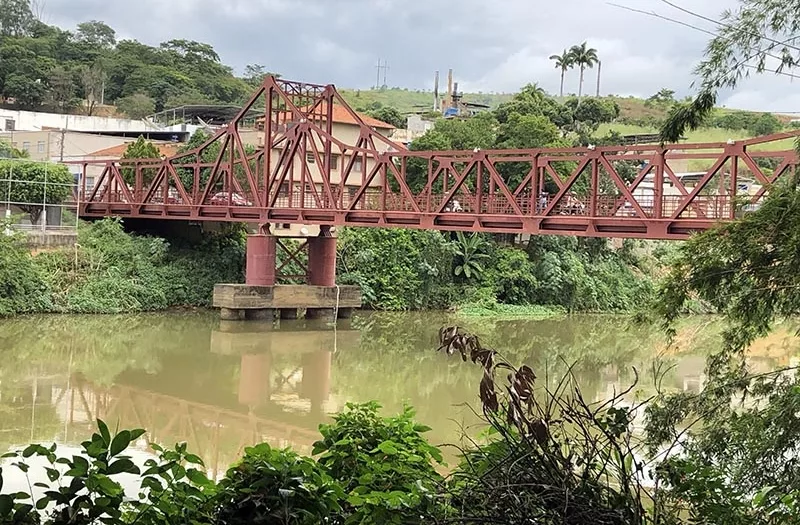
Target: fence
28	205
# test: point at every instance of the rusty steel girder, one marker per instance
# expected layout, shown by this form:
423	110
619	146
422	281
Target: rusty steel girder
295	176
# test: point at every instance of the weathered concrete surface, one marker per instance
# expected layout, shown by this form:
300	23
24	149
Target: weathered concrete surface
38	240
248	297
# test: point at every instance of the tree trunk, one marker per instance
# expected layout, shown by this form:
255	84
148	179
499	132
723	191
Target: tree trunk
599	66
33	211
562	82
580	86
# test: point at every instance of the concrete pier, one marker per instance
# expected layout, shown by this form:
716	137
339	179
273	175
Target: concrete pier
245	301
262	299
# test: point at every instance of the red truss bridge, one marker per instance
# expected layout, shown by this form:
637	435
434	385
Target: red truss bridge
306	171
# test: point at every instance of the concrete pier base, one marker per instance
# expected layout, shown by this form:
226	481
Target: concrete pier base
259	314
260	302
228	314
289	314
323	314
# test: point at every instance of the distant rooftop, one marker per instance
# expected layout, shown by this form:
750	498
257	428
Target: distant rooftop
342	116
116	152
209	113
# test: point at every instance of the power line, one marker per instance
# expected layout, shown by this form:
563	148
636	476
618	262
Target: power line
706	31
717	22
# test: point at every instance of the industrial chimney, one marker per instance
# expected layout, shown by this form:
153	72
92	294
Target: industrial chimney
436	92
449	88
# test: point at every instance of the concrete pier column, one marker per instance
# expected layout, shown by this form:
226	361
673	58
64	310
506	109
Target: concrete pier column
316	382
260	265
321	268
289	314
254	379
228	314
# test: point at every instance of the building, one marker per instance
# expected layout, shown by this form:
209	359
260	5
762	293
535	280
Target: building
344	128
416	126
55	145
113	153
14	120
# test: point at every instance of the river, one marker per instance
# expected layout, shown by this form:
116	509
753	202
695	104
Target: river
221	386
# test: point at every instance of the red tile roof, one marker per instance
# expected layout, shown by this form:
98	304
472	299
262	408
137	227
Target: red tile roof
342	116
117	151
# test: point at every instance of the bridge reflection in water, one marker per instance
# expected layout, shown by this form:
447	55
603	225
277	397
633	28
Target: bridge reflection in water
222	386
278	394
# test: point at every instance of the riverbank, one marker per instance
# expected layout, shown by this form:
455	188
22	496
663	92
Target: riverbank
111	271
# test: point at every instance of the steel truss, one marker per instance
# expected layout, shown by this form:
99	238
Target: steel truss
627	191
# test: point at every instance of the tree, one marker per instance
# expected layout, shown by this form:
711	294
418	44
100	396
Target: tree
16	17
523	131
254	74
28	92
93	81
195	53
136	106
532	100
36	183
737	50
96	34
663	97
743	271
140	149
389	115
7	151
590	113
564	61
62	88
767	124
584	57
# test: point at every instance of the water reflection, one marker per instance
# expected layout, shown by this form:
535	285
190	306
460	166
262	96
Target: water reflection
222	386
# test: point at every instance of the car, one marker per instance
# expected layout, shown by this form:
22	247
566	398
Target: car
221	199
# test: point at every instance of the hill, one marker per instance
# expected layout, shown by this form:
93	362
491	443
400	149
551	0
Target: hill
411	101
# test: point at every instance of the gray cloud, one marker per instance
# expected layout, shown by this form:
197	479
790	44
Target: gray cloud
492	46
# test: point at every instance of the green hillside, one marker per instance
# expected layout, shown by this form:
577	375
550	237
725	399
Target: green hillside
410	101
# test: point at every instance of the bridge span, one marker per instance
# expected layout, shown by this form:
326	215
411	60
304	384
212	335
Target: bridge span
304	173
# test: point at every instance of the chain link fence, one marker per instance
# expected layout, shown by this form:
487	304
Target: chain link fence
32	201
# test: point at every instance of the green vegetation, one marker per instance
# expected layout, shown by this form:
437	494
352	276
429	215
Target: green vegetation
410	101
35	183
47	67
734	53
410	269
110	271
737	466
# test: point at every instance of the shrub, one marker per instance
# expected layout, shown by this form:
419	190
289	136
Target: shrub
22	286
398	269
385	465
271	486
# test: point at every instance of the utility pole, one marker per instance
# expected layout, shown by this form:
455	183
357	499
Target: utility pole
384	67
63	138
599	66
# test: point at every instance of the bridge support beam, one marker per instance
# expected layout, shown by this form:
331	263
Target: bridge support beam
322	268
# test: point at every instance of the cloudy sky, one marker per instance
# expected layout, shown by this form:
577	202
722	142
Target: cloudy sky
496	45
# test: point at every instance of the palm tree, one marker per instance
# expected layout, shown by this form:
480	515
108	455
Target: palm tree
583	57
563	62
